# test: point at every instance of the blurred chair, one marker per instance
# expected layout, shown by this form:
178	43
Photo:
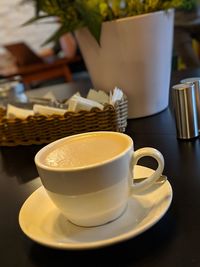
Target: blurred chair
33	68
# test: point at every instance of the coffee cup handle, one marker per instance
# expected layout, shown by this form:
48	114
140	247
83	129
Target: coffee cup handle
150	152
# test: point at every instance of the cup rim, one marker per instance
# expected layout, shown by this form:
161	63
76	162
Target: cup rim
86	167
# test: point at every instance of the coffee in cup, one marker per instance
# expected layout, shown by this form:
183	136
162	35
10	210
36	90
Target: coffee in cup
89	176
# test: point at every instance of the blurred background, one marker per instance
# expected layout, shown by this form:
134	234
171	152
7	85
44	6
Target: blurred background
12	16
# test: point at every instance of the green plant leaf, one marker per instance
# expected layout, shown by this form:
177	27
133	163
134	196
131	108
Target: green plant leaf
34	19
74	14
91	17
55	36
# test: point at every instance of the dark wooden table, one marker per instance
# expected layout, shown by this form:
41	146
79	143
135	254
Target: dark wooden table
173	241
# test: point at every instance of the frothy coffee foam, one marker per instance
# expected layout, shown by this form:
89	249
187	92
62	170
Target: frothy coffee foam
85	150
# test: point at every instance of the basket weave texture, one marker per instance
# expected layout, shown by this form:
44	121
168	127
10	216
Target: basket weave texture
39	129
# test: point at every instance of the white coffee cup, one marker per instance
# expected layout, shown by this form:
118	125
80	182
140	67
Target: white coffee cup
89	176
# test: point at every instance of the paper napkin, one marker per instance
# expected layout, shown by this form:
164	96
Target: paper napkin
115	96
15	112
78	103
46	110
99	96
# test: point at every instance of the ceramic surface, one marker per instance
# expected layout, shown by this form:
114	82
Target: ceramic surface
134	55
41	221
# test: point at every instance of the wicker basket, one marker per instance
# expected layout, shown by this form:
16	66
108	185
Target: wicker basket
40	129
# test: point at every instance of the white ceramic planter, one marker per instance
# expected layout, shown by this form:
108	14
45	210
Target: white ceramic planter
135	55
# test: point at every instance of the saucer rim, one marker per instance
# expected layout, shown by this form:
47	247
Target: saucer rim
100	243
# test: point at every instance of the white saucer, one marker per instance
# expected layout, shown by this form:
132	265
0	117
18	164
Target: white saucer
41	221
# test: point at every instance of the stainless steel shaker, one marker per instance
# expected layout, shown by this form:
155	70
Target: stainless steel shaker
184	101
196	82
